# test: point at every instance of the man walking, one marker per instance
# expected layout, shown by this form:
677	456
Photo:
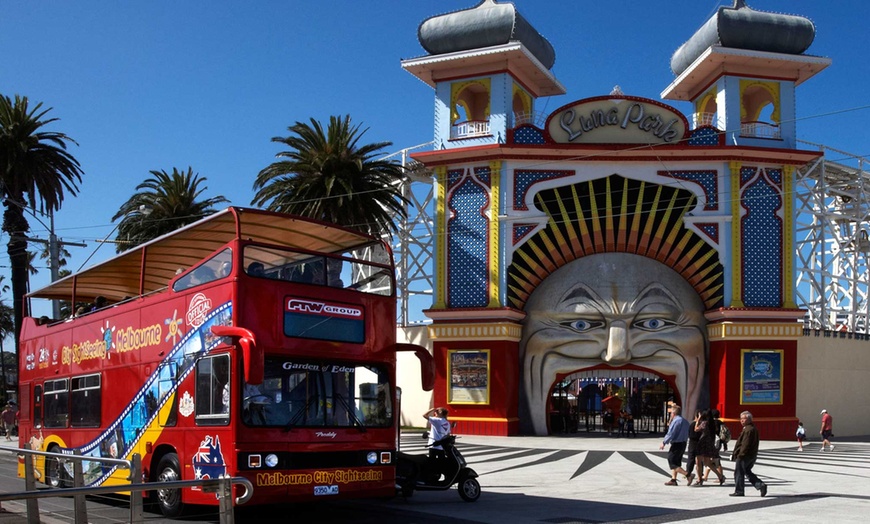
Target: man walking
677	435
745	453
827	430
9	417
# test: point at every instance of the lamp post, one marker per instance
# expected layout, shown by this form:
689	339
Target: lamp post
54	244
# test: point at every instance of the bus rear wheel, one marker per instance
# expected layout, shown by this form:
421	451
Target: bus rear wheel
55	472
169	500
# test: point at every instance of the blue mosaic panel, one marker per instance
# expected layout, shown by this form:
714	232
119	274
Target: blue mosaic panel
762	245
708	181
711	230
483	174
704	136
467	246
453	176
525	178
746	174
521	230
528	135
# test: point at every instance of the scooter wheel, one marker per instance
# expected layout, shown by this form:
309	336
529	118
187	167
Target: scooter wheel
469	489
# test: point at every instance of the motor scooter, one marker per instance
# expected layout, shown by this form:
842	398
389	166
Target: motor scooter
421	473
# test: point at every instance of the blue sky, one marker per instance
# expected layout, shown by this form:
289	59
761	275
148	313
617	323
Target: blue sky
154	85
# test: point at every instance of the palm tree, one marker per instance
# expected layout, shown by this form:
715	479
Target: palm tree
164	203
35	171
328	176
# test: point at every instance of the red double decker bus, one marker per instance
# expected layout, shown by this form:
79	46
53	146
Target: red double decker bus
249	343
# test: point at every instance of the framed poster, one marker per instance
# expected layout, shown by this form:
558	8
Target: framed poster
468	376
761	376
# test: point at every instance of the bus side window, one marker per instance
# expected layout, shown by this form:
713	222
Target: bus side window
166	384
87	400
37	405
213	390
57	403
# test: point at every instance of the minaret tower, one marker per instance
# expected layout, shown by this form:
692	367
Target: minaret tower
740	70
488	67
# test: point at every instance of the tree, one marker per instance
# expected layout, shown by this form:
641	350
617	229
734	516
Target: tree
164	203
329	177
36	171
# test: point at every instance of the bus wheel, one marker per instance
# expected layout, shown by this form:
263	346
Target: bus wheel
169	500
55	474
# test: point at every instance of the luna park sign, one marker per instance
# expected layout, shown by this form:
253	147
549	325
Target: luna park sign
617	120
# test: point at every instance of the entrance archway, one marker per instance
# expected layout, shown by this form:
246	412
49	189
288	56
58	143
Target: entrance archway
579	401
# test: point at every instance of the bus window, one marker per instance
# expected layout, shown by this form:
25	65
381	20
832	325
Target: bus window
213	390
167	377
37	405
57	403
212	269
325	394
86	401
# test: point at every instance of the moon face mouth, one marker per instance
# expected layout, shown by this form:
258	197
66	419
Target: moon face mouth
680	373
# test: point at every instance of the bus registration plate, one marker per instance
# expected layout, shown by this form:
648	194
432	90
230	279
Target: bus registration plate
326	490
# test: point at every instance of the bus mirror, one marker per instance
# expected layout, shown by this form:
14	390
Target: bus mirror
427	364
252	356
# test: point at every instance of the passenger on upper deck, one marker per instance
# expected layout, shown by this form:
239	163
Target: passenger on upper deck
256	269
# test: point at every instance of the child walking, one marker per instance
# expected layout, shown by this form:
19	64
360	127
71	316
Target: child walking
801	435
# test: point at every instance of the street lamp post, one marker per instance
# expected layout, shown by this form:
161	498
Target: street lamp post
54	244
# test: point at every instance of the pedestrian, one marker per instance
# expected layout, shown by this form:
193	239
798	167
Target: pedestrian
744	455
677	436
707	454
801	434
723	434
692	448
827	430
8	417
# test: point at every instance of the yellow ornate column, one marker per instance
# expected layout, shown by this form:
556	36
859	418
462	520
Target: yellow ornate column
736	239
440	301
494	249
788	249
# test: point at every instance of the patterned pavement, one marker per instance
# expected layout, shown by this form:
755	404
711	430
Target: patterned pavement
595	478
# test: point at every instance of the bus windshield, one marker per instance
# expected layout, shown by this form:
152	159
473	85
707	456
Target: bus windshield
297	393
363	269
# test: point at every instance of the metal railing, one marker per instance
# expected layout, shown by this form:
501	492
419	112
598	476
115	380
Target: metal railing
470	129
222	486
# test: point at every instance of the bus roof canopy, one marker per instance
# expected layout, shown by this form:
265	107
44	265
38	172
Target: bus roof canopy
157	261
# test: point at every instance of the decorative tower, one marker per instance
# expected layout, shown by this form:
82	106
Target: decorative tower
740	70
488	67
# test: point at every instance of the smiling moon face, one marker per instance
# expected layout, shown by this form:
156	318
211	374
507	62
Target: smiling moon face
611	309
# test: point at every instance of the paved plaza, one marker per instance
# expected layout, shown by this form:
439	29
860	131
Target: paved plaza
581	478
584	478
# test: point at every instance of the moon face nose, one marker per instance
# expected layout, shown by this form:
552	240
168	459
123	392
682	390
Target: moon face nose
617	343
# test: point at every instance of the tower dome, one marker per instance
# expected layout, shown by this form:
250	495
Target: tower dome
488	24
741	27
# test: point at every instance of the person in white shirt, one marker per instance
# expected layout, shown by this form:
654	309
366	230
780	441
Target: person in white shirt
439	427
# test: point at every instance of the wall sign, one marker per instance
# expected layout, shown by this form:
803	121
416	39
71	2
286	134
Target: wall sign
468	372
617	120
761	376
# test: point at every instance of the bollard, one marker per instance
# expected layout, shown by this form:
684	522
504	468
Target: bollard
136	515
225	495
79	501
30	485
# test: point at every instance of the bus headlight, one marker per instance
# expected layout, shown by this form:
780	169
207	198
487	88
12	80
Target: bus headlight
372	457
271	460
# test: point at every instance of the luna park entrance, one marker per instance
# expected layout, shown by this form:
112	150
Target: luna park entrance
619	402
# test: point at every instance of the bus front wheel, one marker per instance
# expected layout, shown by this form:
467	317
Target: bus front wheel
168	470
55	472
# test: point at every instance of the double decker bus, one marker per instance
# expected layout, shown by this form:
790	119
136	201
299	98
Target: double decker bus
249	343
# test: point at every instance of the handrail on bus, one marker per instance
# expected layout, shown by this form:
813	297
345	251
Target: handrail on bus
251	353
222	486
427	363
